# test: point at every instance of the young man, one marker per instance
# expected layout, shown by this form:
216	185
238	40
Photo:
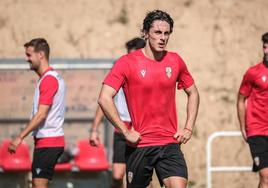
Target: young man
149	77
47	114
252	108
118	167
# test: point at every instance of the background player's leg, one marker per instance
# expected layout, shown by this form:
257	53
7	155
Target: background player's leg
263	178
118	175
40	183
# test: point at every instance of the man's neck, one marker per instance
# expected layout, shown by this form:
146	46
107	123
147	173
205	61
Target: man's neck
42	69
152	54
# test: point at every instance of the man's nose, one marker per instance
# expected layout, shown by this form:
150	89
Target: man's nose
163	37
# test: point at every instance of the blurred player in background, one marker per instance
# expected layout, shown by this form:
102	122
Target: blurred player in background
47	114
252	108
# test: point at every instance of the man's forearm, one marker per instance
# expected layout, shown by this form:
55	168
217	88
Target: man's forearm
241	113
192	109
97	120
108	107
37	119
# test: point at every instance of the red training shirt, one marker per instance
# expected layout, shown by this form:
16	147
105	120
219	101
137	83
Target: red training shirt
149	87
255	87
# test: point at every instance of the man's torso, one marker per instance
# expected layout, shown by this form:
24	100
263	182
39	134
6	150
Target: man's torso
150	93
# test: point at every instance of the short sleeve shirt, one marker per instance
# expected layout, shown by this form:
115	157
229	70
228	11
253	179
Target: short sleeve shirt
254	86
48	88
150	89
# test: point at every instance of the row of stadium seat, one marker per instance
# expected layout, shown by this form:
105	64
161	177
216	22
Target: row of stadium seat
19	161
89	158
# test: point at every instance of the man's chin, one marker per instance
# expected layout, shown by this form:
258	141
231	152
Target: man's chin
160	50
32	68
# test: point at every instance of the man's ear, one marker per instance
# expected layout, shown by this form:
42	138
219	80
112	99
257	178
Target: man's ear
144	34
41	55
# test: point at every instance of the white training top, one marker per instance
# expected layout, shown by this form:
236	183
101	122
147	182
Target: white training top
52	126
121	105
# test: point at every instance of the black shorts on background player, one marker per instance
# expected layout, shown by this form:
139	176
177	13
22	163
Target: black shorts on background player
44	161
119	148
259	152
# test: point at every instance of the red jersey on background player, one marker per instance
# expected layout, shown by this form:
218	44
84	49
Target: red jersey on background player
252	108
148	78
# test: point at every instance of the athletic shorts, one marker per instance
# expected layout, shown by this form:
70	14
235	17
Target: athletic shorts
259	152
167	161
44	161
119	148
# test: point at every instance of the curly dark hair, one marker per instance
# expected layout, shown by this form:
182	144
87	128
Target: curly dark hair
156	15
39	44
264	38
135	43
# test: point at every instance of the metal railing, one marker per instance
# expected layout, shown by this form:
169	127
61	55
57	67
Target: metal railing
62	64
210	168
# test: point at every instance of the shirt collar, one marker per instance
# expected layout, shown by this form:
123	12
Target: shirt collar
48	69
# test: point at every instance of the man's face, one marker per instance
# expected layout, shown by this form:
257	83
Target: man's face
265	52
32	57
158	35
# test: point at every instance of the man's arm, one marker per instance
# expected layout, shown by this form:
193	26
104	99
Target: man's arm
192	110
94	133
38	118
241	113
106	102
192	106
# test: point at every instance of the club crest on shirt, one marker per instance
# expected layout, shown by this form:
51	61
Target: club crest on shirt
130	176
143	72
168	72
257	161
264	78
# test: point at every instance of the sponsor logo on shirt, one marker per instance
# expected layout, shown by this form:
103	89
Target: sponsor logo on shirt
168	72
143	72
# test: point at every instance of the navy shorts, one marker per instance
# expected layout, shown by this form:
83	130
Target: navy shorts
167	161
259	152
44	161
119	148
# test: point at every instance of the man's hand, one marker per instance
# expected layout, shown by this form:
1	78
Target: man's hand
244	135
94	139
183	136
132	136
14	144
